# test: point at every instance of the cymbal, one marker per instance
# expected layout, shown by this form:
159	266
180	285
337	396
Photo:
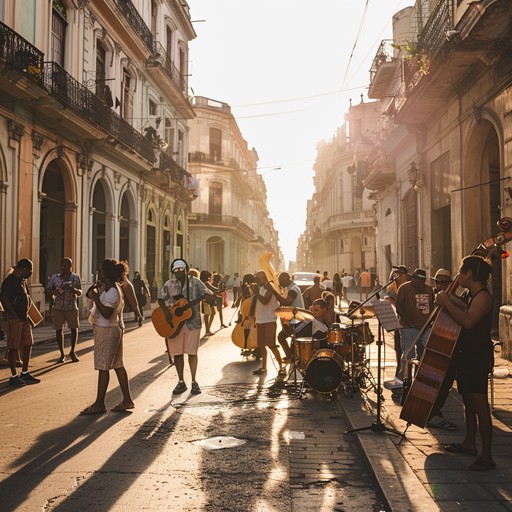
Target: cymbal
357	311
288	313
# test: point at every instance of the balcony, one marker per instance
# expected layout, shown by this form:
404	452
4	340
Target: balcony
229	222
135	20
347	220
171	178
443	63
83	105
380	171
382	71
21	65
163	70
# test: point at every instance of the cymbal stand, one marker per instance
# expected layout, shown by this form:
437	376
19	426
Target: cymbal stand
294	322
378	426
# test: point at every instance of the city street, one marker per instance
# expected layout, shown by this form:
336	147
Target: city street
244	444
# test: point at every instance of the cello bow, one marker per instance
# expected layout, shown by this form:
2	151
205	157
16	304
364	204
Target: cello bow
441	343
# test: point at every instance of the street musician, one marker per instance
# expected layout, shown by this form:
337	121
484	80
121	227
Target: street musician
291	297
319	326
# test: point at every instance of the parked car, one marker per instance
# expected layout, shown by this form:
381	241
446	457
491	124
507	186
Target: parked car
304	279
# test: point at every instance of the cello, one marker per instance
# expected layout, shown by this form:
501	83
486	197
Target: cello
441	343
244	334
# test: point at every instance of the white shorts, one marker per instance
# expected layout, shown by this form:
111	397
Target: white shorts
187	342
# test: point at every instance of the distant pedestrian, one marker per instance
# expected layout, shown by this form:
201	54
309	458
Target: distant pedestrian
65	288
15	297
347	281
130	298
142	294
236	287
365	282
107	320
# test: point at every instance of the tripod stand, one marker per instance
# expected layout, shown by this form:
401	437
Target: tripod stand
384	310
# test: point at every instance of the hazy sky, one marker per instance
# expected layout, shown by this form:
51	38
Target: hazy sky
283	66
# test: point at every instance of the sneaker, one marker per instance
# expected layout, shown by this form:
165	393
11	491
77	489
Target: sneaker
28	379
180	388
441	422
16	381
196	390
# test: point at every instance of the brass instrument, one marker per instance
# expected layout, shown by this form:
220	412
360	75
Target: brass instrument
265	264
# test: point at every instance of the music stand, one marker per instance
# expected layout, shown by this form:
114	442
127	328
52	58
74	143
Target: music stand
386	319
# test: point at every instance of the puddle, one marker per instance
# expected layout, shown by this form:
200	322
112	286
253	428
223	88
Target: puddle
219	442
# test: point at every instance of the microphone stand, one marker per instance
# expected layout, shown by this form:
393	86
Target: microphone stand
378	425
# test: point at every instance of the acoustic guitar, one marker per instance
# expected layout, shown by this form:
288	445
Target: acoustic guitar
180	312
441	343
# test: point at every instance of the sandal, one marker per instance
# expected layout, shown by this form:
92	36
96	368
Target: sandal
459	448
442	423
90	410
261	371
482	465
121	408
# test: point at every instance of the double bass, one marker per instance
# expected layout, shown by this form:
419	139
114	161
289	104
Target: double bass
244	333
441	343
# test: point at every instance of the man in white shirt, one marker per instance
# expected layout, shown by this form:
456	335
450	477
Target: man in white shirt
266	320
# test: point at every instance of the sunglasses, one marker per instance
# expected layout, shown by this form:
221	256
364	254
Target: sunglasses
179	269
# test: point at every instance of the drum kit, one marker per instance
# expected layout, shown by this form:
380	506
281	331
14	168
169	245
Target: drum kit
338	358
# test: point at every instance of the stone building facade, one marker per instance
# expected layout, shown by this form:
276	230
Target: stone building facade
442	170
230	226
340	221
94	135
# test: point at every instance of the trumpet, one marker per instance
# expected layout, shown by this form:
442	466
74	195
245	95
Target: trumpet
265	264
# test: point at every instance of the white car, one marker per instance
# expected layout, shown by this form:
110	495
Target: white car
304	279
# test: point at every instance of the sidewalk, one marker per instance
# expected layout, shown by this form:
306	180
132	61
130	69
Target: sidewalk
415	472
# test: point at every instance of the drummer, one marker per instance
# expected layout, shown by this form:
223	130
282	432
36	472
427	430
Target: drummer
333	314
291	297
318	327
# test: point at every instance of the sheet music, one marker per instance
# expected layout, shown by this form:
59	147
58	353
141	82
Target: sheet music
386	315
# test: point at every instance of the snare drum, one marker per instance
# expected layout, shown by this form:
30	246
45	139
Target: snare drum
324	373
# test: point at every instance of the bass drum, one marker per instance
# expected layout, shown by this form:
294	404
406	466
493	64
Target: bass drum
324	372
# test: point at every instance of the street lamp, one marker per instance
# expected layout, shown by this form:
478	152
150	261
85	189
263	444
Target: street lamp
414	176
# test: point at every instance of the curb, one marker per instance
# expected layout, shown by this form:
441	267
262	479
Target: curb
397	481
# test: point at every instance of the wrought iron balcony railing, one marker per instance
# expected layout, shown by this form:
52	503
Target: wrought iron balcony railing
18	53
440	21
76	96
176	172
160	56
136	22
384	54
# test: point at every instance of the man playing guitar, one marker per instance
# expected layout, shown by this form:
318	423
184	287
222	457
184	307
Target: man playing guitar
186	341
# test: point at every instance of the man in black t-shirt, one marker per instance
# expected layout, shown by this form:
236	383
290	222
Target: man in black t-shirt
16	301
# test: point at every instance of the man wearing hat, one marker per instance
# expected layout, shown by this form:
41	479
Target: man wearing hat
16	301
399	275
183	285
414	304
442	280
